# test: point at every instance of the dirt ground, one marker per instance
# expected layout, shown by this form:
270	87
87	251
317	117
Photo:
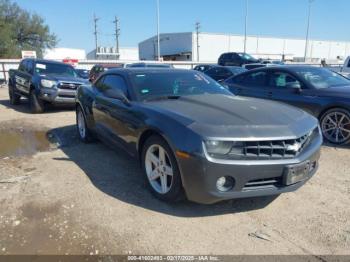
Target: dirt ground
72	198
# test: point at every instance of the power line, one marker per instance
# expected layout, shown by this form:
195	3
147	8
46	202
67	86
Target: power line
198	27
117	34
95	33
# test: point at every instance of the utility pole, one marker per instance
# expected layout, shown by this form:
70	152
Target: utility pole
307	31
117	34
245	26
95	33
158	31
198	27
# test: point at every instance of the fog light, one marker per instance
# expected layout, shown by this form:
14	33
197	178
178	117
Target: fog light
225	183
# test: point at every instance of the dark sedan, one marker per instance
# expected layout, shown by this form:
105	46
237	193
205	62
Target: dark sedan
203	67
221	73
319	91
195	139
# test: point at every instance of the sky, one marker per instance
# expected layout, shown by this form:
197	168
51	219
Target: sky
72	20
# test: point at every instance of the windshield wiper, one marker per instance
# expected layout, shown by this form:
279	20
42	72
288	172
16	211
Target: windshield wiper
170	97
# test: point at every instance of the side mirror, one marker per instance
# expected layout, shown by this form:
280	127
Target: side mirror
117	94
293	85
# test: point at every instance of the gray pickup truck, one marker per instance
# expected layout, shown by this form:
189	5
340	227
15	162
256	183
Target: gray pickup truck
43	82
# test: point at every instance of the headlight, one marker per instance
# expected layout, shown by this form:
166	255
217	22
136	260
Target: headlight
218	147
215	147
48	83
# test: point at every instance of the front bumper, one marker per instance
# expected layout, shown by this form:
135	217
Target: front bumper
199	176
58	96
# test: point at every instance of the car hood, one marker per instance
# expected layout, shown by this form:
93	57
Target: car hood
335	91
226	116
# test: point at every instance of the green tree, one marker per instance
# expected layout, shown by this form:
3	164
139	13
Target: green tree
21	30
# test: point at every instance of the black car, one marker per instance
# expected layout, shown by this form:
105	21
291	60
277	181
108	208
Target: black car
236	59
203	67
221	73
98	69
195	139
254	66
148	65
321	92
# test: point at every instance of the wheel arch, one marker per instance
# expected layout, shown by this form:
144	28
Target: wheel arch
147	133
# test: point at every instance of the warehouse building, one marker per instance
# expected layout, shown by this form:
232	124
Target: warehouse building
110	53
183	47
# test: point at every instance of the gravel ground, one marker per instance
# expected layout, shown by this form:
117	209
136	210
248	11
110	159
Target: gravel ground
73	198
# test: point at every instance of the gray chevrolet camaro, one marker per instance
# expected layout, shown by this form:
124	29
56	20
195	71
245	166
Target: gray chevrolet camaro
195	139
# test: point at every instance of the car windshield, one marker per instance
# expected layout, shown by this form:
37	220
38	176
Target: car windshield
322	78
153	85
246	56
55	69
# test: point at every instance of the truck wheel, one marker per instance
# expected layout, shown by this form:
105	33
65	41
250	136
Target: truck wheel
37	106
14	98
161	170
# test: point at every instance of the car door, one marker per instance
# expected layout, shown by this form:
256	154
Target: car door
23	77
252	84
115	118
287	88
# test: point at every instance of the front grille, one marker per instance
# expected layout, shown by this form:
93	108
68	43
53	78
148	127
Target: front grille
263	183
70	86
273	149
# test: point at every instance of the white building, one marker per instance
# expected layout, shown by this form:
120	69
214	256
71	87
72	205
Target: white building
64	53
109	53
183	47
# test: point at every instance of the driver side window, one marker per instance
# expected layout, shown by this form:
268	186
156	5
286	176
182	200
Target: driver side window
282	80
110	82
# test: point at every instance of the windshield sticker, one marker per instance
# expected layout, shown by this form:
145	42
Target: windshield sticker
41	66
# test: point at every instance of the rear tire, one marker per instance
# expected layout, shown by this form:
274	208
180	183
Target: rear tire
335	126
37	106
15	99
161	170
84	133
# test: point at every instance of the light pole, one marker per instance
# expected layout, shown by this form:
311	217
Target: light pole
245	26
308	30
198	26
158	36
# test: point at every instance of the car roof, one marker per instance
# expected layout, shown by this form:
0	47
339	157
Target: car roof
284	68
110	65
143	70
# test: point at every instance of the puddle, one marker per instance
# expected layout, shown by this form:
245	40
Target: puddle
23	142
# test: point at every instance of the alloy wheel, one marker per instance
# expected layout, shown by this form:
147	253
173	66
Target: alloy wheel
159	169
336	127
81	124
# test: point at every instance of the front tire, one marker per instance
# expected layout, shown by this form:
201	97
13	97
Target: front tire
14	98
335	126
37	105
161	170
82	129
